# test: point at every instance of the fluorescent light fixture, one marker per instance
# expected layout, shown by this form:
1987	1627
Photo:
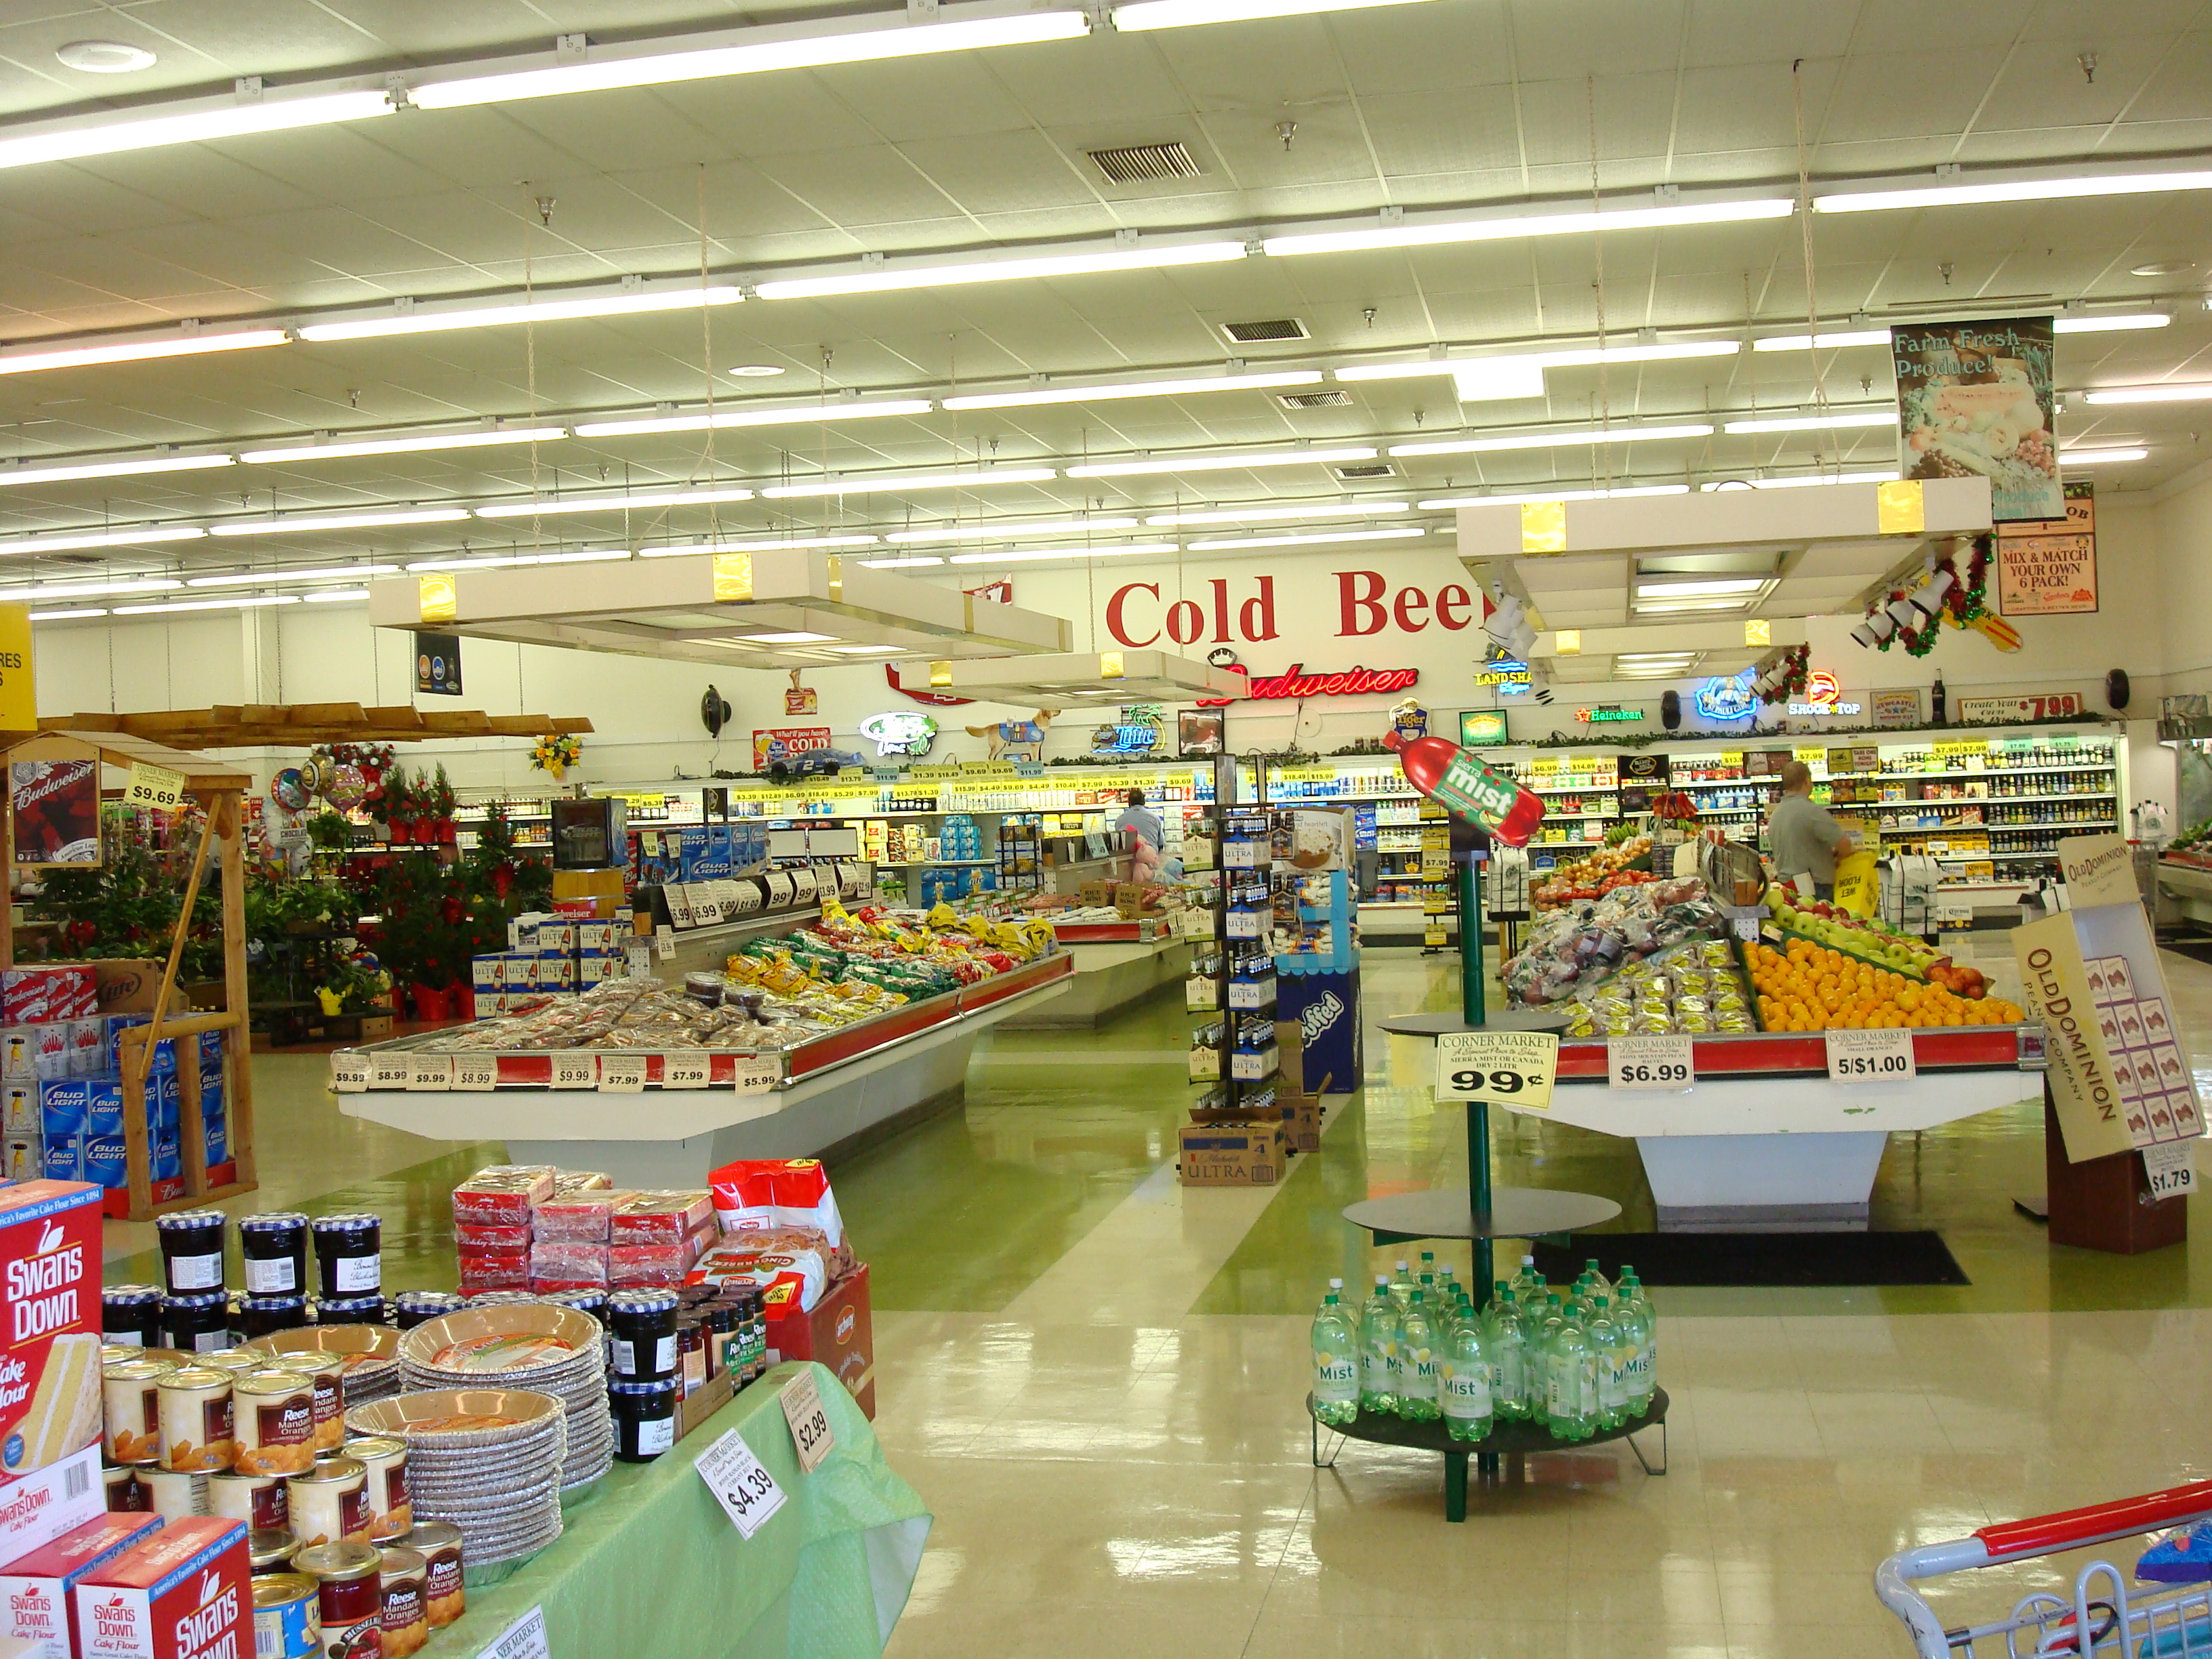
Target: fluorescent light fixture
1624	435
1663	607
427	443
1010	556
1834	419
781	415
216	118
790	639
867	650
1230	545
598	556
769	545
754	52
913	562
757	371
1277	514
2113	322
988	533
342	596
611	304
2098	457
1851	337
1041	397
1968	194
137	351
143	536
1183	14
254	603
2189	392
1579	357
1700	589
1429	232
639	503
68	473
288	524
1221	463
63	616
86	590
1655	658
328	572
865	482
891	279
1439	503
1805	481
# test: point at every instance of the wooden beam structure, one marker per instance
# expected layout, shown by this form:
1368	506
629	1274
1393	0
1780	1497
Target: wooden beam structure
260	725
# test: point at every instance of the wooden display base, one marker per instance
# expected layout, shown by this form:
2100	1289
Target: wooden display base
2105	1203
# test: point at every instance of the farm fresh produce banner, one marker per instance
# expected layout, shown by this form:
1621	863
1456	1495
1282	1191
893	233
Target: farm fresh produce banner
1974	400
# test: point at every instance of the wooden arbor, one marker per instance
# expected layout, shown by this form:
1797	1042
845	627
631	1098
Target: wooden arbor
252	725
220	789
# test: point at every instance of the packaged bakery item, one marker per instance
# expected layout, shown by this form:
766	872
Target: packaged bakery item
665	1218
583	1215
754	1194
502	1193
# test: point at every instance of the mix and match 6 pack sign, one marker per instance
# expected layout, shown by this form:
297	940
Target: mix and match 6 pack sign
182	1595
49	1399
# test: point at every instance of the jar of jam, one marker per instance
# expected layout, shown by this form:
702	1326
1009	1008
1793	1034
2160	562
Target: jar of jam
349	1253
274	1248
349	1310
690	1353
131	1315
264	1315
413	1308
721	1320
349	1591
192	1249
198	1322
643	1324
645	1418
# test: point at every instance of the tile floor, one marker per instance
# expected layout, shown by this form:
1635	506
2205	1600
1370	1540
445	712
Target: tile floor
1094	1376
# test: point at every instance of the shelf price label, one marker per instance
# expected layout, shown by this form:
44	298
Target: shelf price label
2171	1167
1650	1062
1880	1056
747	1492
810	1422
349	1072
431	1071
622	1074
476	1073
391	1070
571	1070
683	1068
757	1076
1511	1068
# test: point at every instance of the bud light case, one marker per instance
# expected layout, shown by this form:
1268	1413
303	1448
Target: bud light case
183	1594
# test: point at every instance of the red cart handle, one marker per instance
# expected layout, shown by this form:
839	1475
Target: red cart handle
2040	1534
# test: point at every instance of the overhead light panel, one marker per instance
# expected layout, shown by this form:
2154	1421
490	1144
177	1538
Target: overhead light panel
1145	14
1835	419
1666	607
72	541
1805	481
1437	504
644	502
864	484
294	523
893	279
1137	676
796	638
986	533
779	414
86	590
1841	337
1624	435
1969	193
464	562
138	352
914	562
1700	589
346	596
2191	393
1234	544
1011	555
69	472
1251	460
1277	514
2099	457
426	444
2115	322
1431	232
207	119
255	603
1041	397
328	572
1565	357
624	303
63	616
858	39
765	544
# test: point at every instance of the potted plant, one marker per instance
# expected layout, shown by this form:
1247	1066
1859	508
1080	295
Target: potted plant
401	805
439	808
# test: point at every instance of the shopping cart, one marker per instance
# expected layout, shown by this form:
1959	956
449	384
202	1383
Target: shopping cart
2105	1616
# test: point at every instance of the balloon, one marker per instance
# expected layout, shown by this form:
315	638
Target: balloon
346	789
288	789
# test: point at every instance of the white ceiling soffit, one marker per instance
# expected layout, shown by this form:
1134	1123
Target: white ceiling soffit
1091	677
1680	634
725	609
1711	518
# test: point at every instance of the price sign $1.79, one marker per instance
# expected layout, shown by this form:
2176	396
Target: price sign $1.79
1511	1068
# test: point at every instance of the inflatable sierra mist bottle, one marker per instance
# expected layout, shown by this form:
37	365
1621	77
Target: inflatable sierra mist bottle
1453	778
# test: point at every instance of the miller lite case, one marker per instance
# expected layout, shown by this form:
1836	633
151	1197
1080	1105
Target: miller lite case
183	1594
50	1387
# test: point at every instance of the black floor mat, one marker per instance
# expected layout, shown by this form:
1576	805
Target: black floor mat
1904	1258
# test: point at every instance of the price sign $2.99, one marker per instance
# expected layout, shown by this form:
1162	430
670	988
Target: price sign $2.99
1511	1068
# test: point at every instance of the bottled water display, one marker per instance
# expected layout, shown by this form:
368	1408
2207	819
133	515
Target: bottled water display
1336	1361
1465	1380
1378	1351
1417	1367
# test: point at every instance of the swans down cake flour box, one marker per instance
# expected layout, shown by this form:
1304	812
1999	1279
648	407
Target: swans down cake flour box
183	1594
49	1393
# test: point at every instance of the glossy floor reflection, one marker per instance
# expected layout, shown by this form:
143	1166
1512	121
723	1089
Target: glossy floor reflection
1094	1375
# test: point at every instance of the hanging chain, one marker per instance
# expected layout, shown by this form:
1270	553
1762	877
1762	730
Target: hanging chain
1805	233
530	375
706	350
1604	468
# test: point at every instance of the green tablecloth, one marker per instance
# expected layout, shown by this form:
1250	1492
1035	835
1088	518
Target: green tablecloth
650	1565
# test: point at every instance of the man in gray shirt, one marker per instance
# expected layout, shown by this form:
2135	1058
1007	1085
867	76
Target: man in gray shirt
1801	837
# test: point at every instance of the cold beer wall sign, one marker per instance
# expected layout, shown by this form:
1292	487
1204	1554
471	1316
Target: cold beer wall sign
1245	610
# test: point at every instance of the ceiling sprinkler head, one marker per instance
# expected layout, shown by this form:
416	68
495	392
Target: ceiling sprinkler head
1287	131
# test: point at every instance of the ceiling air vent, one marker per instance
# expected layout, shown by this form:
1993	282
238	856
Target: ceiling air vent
1351	472
1132	164
1272	328
1314	399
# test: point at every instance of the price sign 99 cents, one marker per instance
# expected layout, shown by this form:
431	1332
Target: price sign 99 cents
1510	1069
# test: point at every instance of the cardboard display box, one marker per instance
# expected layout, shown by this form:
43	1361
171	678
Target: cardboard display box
839	1332
1225	1155
1302	1108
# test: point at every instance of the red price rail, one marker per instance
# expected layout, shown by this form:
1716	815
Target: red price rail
1805	1054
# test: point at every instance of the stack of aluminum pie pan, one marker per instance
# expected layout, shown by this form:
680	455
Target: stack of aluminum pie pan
485	1460
538	1345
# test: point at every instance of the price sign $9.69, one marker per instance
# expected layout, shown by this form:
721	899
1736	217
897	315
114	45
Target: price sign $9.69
1511	1068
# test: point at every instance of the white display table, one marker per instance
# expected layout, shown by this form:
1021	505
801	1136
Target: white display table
1116	963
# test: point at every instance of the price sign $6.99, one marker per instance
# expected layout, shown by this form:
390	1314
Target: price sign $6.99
1650	1062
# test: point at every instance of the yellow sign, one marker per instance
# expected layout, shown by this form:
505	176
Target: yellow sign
1511	1068
1899	509
19	707
1567	642
155	787
2092	1117
1543	526
733	578
1961	749
439	599
1757	630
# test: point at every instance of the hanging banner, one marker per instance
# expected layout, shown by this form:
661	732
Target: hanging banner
1974	400
1897	705
2048	566
438	664
53	796
783	742
19	710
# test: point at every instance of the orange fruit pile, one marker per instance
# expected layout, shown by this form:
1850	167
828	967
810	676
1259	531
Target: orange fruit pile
1806	988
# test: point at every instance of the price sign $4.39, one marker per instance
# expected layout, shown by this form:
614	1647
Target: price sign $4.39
1877	1056
1650	1062
747	1492
1512	1068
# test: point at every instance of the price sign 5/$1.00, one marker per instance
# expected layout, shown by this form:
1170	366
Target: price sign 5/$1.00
1877	1056
1510	1069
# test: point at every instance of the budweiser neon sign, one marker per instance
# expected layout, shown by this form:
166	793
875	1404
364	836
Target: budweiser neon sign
1294	682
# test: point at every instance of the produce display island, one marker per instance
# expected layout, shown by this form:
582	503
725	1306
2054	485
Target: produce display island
1116	965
